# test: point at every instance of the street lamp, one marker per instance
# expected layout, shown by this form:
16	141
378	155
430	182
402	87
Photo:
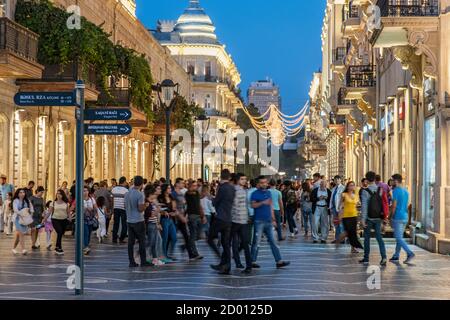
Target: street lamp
223	132
204	122
235	145
167	92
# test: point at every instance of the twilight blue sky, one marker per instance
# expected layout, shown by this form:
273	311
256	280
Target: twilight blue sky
279	39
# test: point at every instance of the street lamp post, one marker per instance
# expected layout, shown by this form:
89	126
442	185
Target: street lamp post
204	127
223	132
235	145
167	92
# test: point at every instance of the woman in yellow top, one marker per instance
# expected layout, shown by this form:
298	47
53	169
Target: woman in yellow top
348	214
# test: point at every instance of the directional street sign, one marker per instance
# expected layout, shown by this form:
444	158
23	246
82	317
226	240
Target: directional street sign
51	99
107	114
107	129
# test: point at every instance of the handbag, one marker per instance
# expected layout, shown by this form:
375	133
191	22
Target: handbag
93	222
25	218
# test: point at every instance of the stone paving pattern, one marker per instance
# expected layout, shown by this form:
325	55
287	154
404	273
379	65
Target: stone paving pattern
317	272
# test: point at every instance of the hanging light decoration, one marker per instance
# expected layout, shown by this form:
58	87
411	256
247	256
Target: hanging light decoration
278	125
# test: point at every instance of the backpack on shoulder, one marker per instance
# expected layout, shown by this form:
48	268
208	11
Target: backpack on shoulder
375	207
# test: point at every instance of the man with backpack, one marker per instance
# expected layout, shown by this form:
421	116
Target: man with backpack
374	212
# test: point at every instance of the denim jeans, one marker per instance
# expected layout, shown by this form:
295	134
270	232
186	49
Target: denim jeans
152	233
87	235
169	236
375	225
399	230
290	214
279	229
266	228
307	217
207	225
338	229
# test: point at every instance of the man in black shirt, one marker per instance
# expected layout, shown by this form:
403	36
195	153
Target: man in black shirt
196	216
223	203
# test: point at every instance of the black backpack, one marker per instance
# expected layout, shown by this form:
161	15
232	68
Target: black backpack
375	206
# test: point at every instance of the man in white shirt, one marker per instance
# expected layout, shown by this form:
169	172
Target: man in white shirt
120	215
321	198
335	204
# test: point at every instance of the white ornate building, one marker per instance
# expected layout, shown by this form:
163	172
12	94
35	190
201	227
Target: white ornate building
193	43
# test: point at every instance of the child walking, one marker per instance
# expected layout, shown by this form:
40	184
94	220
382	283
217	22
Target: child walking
101	216
48	226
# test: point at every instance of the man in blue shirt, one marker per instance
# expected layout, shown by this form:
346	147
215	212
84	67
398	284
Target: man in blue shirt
399	217
264	216
278	207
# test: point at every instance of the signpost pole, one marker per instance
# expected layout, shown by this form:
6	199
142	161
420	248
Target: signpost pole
80	86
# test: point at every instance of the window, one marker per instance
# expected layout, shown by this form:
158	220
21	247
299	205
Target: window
208	102
4	8
208	69
191	68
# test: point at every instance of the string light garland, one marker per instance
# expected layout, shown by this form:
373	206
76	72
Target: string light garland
278	125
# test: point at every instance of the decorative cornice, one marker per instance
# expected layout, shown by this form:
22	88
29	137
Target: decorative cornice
419	39
410	61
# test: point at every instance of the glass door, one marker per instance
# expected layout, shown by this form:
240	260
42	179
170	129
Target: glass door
430	172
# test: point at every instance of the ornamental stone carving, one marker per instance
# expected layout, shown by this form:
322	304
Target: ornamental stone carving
412	62
420	40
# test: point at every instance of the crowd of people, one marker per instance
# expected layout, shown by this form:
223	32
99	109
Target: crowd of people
232	215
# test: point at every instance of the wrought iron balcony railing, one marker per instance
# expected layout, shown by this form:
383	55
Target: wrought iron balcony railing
18	39
350	11
413	8
360	76
341	98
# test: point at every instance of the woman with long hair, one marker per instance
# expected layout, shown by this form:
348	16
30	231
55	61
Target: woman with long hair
168	216
90	211
306	206
20	204
348	215
59	212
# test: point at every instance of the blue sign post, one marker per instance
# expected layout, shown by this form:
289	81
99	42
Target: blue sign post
107	129
51	99
107	114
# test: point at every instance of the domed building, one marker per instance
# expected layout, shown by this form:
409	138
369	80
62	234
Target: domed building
193	42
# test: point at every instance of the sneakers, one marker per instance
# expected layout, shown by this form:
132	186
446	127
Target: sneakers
15	252
35	247
157	262
364	262
240	266
59	252
24	252
292	236
323	242
49	247
394	259
409	259
196	258
247	271
256	266
134	265
383	262
86	251
282	264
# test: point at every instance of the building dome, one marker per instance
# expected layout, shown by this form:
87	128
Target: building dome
195	26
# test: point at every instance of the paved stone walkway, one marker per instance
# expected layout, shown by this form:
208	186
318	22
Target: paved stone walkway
316	272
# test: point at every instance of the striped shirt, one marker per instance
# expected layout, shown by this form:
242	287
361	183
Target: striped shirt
118	194
240	210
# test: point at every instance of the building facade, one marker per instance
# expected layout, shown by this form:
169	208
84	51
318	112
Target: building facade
264	93
387	66
192	42
39	143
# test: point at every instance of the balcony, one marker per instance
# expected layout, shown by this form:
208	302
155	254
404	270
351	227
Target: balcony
351	20
397	16
209	79
62	78
360	82
18	51
338	57
345	106
360	76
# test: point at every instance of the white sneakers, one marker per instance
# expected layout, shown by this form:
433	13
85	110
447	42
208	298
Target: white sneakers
157	262
15	252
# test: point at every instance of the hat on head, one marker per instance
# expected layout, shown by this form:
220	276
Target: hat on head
3	176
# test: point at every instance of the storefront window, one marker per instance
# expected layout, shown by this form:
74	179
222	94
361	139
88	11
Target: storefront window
430	172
